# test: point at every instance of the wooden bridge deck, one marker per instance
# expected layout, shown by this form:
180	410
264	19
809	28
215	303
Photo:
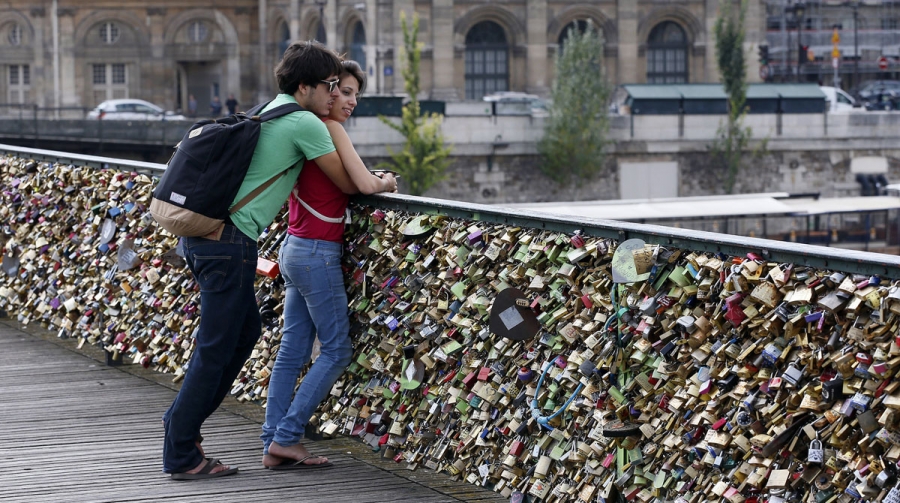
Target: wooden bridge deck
75	430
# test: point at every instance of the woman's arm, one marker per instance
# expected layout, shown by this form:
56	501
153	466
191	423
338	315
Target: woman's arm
365	181
331	165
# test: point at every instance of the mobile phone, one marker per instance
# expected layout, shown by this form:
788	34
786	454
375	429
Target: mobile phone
379	172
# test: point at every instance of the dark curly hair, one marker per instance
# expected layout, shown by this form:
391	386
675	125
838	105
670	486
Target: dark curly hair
306	63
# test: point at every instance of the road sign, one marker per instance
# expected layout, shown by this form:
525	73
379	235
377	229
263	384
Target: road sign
835	53
764	72
835	63
882	63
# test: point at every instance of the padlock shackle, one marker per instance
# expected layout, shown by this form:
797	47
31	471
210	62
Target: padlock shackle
545	420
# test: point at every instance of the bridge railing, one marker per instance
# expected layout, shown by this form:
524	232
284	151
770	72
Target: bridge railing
714	342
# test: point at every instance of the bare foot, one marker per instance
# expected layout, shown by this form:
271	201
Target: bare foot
278	453
216	469
270	460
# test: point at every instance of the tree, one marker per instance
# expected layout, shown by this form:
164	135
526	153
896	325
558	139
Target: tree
424	158
574	142
732	137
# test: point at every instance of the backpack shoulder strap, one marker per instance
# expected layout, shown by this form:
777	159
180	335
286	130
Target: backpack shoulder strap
257	109
281	111
276	112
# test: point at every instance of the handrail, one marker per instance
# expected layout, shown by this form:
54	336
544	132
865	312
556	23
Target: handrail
851	261
87	160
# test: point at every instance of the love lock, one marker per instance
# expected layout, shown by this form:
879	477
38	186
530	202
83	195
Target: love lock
816	454
887	476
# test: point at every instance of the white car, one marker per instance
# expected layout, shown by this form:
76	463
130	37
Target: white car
132	110
516	103
838	100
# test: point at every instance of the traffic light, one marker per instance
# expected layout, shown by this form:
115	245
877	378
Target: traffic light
803	54
764	55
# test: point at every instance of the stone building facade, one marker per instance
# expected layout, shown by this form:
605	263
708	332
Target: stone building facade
67	53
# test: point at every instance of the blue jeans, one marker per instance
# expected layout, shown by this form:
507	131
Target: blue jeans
229	328
315	303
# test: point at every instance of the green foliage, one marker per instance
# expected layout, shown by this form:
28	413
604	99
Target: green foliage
574	142
424	158
732	138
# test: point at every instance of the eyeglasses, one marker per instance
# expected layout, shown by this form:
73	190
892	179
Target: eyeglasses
331	84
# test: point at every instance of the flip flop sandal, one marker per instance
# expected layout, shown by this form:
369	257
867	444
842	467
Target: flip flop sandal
299	465
205	472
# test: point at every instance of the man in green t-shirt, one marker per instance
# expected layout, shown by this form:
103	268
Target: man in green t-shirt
225	269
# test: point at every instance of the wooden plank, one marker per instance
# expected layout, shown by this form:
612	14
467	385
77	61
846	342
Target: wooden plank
76	430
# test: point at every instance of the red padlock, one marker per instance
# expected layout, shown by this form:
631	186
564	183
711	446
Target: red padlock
267	268
469	380
586	300
516	448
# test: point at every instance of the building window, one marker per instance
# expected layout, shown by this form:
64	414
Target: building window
580	26
487	60
110	81
109	33
667	54
284	39
19	80
197	32
15	34
358	45
889	24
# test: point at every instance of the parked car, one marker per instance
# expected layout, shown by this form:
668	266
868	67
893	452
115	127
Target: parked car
131	109
887	101
879	94
838	100
516	103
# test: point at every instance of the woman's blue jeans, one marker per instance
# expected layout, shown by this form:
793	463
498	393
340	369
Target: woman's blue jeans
229	328
315	303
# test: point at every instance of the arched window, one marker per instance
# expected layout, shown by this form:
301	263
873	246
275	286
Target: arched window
487	60
109	33
320	30
667	54
579	25
15	34
284	38
358	45
197	32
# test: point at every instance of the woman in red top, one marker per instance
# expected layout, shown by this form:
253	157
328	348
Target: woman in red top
315	297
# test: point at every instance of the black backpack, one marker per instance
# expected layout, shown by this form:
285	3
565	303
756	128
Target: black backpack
206	171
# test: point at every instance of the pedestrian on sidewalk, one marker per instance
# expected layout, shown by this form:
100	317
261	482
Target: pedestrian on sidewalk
231	103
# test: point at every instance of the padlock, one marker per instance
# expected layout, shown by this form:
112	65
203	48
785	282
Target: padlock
794	375
860	402
833	389
815	454
885	478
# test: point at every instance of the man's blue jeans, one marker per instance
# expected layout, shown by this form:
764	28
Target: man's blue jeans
315	303
229	328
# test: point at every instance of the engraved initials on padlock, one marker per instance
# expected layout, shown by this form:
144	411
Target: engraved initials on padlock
816	454
893	496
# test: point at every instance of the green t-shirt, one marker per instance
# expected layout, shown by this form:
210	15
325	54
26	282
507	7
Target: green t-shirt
285	142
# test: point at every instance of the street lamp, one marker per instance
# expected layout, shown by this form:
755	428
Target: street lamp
799	10
320	35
